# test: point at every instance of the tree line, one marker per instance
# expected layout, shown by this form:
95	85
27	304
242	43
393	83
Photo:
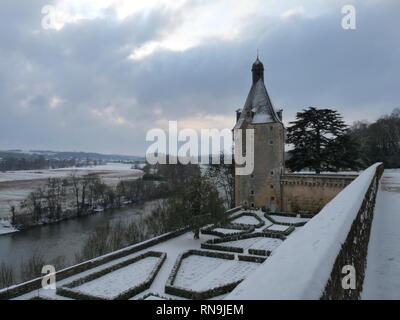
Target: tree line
321	141
14	163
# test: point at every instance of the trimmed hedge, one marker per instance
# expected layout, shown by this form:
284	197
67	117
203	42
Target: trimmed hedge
242	229
215	244
210	246
260	252
251	259
286	232
261	222
68	290
170	288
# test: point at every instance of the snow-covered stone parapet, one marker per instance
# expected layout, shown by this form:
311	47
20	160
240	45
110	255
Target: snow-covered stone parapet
308	265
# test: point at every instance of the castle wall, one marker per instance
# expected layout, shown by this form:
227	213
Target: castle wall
311	192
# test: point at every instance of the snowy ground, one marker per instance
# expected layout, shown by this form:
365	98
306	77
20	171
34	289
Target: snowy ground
196	272
278	227
246	220
260	243
202	273
288	219
15	186
382	277
227	231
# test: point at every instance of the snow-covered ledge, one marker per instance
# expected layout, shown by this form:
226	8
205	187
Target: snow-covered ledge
308	264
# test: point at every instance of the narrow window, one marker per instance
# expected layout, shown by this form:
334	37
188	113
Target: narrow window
272	172
252	205
252	191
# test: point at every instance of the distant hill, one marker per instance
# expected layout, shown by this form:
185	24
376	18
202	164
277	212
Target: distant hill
65	155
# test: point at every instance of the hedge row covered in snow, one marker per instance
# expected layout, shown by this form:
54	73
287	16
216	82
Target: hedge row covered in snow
261	222
241	229
308	265
215	244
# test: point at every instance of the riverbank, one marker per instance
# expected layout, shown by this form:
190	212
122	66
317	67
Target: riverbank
6	227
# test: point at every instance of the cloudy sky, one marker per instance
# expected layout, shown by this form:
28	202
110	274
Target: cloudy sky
89	75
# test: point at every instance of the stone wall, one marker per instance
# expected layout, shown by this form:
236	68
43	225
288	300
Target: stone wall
311	192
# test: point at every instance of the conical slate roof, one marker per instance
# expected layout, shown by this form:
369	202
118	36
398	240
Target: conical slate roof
258	107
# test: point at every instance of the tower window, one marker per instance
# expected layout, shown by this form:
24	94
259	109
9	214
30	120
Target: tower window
252	192
252	205
252	175
272	186
271	141
271	128
272	198
272	172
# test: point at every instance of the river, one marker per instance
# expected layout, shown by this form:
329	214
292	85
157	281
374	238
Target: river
65	238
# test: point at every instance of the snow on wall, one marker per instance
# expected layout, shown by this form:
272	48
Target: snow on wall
302	266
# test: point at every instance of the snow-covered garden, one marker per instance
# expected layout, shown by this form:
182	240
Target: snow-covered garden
186	272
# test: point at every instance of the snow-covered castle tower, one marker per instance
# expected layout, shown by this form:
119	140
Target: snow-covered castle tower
261	188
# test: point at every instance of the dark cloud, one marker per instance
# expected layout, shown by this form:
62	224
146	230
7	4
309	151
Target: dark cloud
107	102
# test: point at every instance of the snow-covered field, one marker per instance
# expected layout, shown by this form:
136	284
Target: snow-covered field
121	168
246	220
114	283
15	186
227	231
277	227
201	273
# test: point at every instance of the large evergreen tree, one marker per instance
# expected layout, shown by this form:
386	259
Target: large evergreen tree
321	142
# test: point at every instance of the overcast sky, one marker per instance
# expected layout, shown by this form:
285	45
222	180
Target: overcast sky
104	72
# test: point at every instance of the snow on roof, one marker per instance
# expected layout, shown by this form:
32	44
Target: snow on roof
302	266
259	105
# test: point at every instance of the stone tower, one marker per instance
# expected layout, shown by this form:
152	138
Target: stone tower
262	188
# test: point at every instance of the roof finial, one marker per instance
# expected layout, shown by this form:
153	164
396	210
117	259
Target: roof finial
257	53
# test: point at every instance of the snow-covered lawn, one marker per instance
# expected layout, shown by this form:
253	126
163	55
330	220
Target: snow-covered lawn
227	231
288	219
246	220
200	273
114	283
261	243
65	172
